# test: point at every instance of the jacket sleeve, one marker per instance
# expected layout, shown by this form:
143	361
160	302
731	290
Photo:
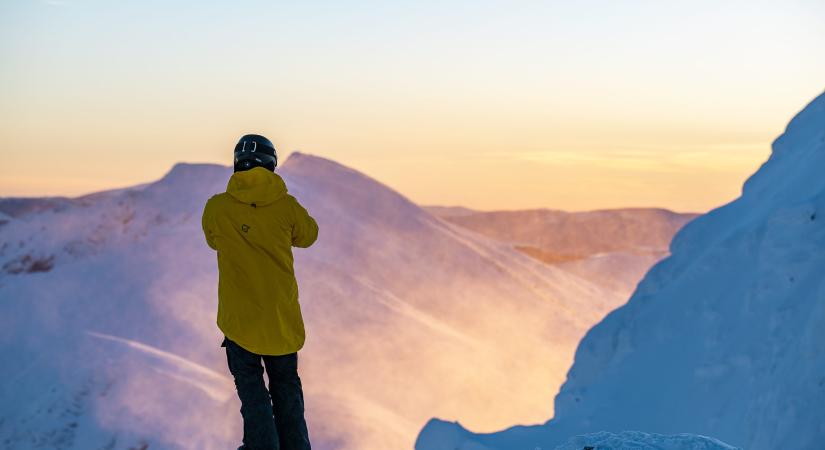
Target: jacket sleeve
304	227
208	226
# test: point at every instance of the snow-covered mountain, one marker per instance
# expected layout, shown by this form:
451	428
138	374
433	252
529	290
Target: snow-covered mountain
612	247
108	306
723	338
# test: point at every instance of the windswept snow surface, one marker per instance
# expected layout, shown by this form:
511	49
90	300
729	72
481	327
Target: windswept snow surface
637	440
724	338
445	436
108	305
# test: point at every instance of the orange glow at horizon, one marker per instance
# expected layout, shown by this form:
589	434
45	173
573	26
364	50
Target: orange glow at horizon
688	179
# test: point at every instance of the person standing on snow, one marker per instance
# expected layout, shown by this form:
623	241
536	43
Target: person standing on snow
253	226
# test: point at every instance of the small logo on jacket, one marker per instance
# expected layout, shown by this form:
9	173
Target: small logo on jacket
244	227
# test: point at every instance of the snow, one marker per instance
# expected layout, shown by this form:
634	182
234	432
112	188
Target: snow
217	385
637	440
723	338
613	248
113	343
617	272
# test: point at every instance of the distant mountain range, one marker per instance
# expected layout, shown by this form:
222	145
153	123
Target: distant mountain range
724	338
613	247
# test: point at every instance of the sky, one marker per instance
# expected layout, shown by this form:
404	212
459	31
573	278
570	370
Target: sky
489	105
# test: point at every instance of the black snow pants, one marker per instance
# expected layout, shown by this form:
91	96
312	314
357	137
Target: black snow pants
273	419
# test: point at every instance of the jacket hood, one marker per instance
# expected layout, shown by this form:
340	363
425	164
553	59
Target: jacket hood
257	185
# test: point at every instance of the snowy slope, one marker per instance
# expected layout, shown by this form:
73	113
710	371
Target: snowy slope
108	304
448	436
574	234
724	338
637	440
613	247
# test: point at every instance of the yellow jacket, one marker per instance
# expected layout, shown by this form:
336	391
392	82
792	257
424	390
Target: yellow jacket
253	226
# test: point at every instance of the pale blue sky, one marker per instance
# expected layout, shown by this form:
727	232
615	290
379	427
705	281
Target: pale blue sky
477	95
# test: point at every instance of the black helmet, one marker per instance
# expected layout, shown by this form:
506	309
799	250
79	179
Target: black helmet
254	150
